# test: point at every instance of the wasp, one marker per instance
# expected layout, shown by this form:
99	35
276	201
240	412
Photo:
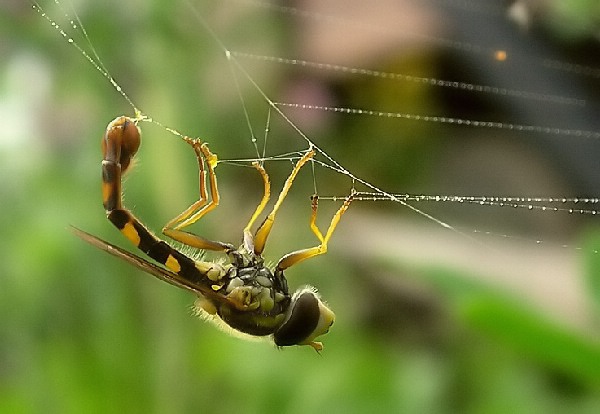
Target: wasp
242	293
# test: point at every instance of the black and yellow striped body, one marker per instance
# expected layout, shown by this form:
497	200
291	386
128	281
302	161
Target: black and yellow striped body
119	144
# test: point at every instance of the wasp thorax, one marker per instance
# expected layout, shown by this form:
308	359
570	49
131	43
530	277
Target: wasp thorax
307	318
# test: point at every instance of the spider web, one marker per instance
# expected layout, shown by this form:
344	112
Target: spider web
243	73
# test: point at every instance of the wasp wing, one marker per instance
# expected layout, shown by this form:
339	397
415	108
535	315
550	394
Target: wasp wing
142	264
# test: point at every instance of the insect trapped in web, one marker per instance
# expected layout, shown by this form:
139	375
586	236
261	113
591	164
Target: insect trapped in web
244	294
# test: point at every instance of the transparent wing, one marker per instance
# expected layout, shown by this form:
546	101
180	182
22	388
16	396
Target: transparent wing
151	268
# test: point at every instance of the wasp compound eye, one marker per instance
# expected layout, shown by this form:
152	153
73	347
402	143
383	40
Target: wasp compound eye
303	319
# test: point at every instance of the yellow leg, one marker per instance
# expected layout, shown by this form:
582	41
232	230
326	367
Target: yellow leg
260	238
197	210
291	259
248	239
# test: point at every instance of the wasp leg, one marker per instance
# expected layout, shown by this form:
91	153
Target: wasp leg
248	238
292	258
119	144
260	238
198	209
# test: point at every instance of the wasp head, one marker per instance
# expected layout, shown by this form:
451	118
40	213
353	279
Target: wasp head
307	318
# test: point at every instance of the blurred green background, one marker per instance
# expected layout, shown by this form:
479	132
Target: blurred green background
427	322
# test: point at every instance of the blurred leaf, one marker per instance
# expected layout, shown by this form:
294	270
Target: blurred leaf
506	320
535	337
